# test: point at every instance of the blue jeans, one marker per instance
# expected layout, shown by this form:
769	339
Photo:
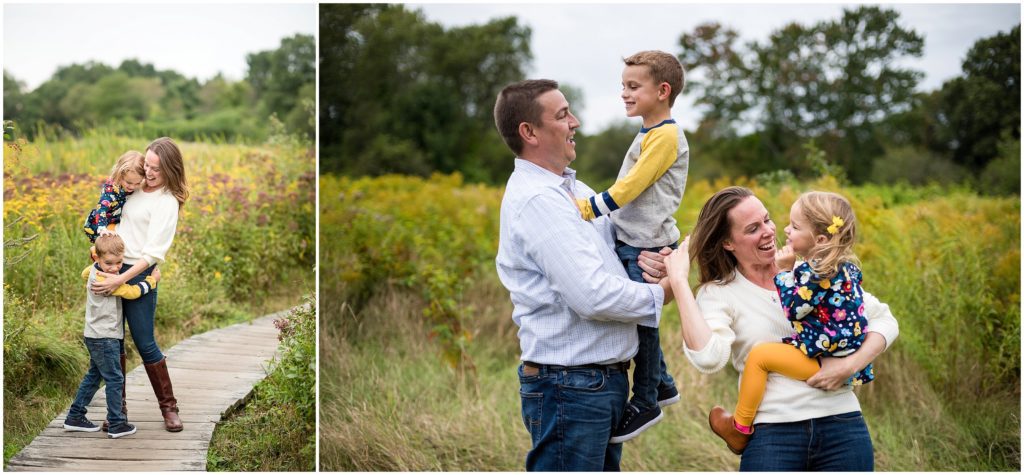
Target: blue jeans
140	315
571	414
104	365
838	443
650	373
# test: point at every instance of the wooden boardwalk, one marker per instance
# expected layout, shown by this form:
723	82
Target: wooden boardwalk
212	373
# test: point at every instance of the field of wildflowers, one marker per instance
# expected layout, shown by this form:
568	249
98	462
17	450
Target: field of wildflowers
245	246
418	351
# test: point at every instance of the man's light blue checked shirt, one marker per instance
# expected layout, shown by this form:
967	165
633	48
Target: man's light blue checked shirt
573	302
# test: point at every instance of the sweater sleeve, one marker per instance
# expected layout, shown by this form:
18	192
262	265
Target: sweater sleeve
717	313
134	291
880	319
160	235
658	151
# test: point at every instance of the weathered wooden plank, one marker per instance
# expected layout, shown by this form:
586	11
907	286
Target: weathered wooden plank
124	443
50	464
211	374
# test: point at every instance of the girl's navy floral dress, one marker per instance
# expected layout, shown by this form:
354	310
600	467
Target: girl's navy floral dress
827	314
107	211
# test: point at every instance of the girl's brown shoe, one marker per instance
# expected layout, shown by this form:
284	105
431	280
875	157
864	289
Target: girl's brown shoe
723	424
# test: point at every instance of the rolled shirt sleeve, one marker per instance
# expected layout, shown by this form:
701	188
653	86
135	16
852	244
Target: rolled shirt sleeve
716	311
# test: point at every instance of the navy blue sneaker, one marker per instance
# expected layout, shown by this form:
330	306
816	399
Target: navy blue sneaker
667	395
79	424
635	421
120	430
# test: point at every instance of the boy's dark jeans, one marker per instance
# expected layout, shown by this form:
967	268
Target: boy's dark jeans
104	365
651	372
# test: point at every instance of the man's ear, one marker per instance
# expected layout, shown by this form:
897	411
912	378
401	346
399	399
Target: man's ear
528	133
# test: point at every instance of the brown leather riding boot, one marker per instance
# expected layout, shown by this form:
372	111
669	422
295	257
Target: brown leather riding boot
161	381
124	387
723	424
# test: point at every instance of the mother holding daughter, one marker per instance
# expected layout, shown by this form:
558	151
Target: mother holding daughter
811	425
149	220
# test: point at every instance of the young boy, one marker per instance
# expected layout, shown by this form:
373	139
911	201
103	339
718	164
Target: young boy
647	192
104	337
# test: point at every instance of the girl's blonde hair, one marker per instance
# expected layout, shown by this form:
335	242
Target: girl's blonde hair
830	215
130	161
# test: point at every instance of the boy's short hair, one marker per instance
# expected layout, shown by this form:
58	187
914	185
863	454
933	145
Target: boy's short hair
517	103
129	161
663	67
109	244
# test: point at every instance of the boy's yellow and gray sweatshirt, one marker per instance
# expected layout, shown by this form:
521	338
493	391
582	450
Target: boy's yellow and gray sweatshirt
103	314
649	188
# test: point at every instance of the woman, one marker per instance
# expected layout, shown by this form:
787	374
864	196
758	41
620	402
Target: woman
812	425
148	222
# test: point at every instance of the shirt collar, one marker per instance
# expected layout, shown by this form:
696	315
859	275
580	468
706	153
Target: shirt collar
526	166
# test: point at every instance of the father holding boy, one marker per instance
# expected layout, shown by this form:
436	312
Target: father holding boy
576	308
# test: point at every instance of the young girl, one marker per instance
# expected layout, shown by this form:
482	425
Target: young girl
125	177
823	300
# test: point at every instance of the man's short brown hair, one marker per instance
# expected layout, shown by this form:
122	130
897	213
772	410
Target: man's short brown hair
664	68
109	244
517	103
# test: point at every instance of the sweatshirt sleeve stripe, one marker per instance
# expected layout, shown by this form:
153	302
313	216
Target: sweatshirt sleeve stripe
604	205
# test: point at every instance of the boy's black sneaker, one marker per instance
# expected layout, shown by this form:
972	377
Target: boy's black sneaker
120	430
635	421
79	424
667	395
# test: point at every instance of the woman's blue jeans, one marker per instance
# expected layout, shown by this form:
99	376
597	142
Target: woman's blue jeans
140	315
570	415
839	443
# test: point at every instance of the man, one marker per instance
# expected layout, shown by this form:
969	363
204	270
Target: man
576	309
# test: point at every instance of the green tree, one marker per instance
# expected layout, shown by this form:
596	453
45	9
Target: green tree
388	72
834	80
282	78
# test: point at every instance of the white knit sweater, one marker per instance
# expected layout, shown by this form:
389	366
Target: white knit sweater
741	315
148	222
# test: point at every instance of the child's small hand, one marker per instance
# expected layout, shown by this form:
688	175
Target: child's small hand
106	232
785	258
156	275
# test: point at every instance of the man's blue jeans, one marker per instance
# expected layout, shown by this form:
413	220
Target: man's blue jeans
571	414
650	372
104	365
827	444
140	314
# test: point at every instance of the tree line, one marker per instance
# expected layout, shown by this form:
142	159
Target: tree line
277	95
401	94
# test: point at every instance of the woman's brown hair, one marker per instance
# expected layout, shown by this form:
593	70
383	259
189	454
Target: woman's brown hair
710	233
172	166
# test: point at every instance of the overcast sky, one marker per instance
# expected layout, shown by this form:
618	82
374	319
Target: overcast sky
583	44
196	40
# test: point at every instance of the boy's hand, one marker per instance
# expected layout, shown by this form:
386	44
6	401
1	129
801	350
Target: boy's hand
785	258
156	275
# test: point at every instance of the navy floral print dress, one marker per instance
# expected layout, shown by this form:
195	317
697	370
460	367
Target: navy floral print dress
107	211
827	314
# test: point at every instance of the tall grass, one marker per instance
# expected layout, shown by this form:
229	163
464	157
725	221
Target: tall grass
946	397
244	247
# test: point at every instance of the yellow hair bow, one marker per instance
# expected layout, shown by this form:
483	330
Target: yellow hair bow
837	223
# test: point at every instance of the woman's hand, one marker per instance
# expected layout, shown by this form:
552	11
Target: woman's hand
834	373
678	264
109	285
